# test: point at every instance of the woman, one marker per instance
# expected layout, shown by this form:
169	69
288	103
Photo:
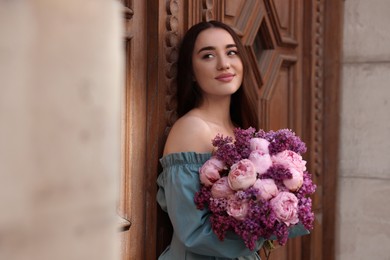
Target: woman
213	98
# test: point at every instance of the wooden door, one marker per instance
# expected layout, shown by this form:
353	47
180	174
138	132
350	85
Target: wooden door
285	40
272	32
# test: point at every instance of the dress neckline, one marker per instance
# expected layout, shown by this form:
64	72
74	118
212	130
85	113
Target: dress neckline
184	158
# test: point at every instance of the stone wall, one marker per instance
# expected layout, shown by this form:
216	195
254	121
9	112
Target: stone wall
363	217
60	82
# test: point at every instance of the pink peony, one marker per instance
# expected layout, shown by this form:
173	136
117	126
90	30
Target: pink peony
259	144
262	161
285	206
242	175
290	159
295	182
221	189
267	188
238	209
210	171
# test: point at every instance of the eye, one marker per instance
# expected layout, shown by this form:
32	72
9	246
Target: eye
232	52
207	56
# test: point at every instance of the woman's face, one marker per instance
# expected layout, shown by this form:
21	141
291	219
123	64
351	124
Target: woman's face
217	66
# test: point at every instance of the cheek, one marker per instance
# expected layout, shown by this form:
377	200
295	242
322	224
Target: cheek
240	68
198	71
202	75
240	75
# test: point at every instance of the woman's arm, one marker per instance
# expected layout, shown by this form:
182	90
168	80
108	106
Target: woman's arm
178	185
192	227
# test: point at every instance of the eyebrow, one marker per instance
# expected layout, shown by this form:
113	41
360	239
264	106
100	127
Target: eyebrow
211	48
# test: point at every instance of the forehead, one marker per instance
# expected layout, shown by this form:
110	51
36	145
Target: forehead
215	37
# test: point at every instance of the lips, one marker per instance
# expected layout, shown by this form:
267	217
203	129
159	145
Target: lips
225	77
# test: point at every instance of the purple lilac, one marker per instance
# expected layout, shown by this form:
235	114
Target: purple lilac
263	213
278	173
219	140
248	229
308	187
260	134
202	197
248	194
218	205
242	141
260	212
226	150
221	223
281	233
306	216
284	139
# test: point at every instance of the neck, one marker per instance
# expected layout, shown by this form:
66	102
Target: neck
217	110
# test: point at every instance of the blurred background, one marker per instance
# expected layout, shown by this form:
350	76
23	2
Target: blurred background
87	96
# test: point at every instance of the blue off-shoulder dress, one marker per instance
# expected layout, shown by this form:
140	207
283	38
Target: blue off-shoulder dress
193	238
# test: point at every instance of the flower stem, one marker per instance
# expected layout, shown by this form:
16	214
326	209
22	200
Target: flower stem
268	247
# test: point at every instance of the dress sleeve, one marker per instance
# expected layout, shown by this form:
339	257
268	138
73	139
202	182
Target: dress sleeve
177	186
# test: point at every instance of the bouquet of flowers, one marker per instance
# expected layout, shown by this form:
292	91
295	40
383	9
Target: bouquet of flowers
256	185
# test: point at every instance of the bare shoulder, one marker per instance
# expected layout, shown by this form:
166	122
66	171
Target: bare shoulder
189	134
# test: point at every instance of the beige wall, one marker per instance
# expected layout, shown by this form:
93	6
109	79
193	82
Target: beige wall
363	217
60	80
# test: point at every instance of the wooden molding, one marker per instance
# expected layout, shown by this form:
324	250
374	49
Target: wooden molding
317	108
128	12
207	10
123	224
285	35
171	44
333	32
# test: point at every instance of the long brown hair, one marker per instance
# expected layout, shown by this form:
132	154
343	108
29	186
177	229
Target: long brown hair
243	107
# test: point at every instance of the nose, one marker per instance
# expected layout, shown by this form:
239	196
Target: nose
224	67
223	64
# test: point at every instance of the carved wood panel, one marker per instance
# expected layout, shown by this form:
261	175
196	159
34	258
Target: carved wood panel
272	33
